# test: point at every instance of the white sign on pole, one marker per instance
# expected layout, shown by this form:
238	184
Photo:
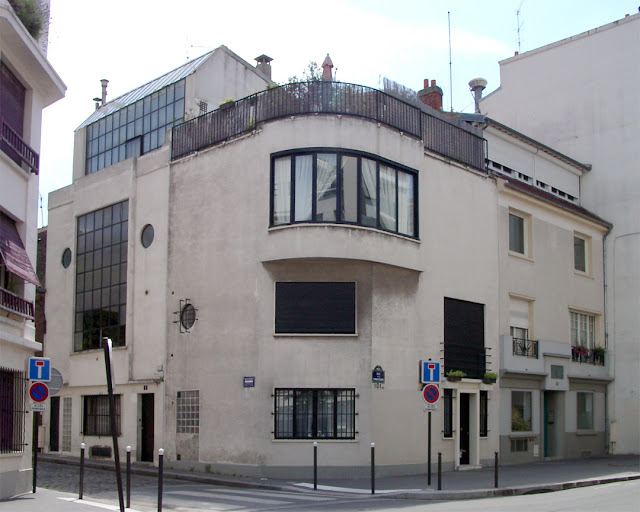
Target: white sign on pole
38	406
430	408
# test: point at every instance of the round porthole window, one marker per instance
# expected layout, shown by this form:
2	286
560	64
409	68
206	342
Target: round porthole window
188	316
146	237
66	258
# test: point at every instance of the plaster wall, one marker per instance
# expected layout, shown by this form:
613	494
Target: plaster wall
578	96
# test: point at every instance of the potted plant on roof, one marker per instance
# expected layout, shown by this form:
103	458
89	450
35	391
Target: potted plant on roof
455	375
227	104
490	378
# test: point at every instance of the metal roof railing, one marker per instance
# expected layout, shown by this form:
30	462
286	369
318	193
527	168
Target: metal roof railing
445	137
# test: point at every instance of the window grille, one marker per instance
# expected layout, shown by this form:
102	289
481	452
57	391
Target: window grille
12	410
315	413
96	419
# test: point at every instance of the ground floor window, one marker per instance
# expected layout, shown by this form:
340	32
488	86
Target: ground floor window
315	413
521	411
484	416
96	420
585	411
448	413
188	412
519	445
12	410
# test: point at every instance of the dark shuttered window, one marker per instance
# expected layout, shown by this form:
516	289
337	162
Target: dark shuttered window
464	337
315	308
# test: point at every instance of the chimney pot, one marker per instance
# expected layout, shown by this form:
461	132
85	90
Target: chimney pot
433	83
264	64
426	83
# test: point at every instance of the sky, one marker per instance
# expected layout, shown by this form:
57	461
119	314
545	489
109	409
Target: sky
131	42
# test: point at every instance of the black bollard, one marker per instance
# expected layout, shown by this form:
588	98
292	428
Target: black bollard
36	416
495	465
315	466
160	471
439	471
128	476
373	468
82	445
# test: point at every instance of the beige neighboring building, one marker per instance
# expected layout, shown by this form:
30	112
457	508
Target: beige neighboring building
554	370
579	96
28	84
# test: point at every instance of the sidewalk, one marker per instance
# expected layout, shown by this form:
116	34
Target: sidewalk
478	483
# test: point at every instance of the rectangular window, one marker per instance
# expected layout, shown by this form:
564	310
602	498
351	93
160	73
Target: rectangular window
315	308
448	413
96	420
12	410
579	254
101	277
341	188
188	412
464	337
519	445
66	424
557	371
583	330
521	411
484	413
585	411
517	234
314	413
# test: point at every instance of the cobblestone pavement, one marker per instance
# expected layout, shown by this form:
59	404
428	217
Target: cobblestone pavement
98	483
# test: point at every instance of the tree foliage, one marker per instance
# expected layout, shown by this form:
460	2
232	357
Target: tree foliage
312	73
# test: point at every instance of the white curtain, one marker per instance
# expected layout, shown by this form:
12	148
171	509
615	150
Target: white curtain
388	198
369	194
406	213
304	177
326	182
349	189
282	191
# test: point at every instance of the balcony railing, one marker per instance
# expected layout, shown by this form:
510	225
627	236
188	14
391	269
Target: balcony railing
17	149
15	304
580	354
471	360
441	136
526	348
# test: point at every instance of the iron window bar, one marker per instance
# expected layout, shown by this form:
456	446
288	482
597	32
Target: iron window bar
526	348
13	385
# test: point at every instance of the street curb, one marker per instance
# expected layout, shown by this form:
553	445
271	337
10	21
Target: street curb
434	495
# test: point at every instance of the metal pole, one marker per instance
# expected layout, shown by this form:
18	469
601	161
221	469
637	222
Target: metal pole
495	472
112	415
373	468
82	446
35	448
160	475
128	476
315	465
439	471
429	451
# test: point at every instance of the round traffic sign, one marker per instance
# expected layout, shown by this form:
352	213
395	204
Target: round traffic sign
431	393
39	392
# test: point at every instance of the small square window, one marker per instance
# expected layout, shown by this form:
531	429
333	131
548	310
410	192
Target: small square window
581	247
557	371
518	233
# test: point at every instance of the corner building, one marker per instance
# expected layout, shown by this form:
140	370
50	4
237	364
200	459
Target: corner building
258	265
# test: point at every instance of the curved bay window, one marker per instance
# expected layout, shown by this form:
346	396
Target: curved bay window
320	186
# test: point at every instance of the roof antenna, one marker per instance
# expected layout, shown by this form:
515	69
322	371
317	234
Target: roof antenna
519	24
450	72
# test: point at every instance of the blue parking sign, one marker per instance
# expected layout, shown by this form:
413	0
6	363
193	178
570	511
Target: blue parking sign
429	372
40	369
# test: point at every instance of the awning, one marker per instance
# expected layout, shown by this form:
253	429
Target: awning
13	253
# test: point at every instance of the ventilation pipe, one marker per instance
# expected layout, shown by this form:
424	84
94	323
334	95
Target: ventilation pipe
477	85
104	83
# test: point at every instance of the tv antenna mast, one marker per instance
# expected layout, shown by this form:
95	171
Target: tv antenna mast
519	24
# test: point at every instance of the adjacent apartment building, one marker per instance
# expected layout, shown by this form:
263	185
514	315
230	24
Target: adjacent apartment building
579	96
28	84
272	272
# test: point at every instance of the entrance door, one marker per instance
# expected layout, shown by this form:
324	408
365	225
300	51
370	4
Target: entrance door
54	425
146	427
464	428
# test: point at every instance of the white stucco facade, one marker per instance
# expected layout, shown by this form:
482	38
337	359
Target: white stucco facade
22	58
578	95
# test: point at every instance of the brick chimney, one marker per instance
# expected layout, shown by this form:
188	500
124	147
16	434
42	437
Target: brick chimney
431	95
264	64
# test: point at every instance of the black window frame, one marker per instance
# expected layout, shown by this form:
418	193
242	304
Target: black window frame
96	420
101	277
340	153
447	415
484	413
309	308
280	402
